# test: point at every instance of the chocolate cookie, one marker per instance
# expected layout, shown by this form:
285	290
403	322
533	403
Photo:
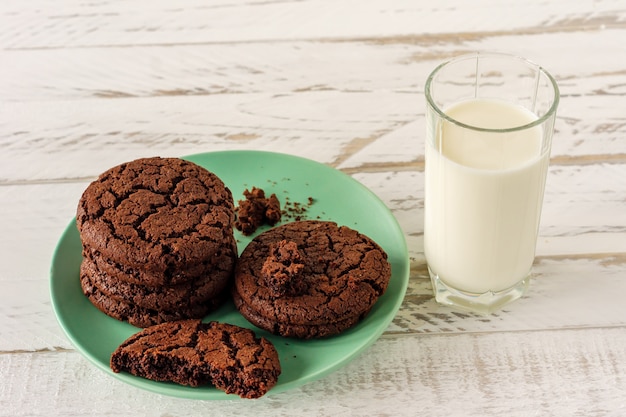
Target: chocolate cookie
224	259
309	279
300	331
163	297
137	315
193	353
159	215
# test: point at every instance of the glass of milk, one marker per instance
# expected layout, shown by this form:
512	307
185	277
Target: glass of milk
489	124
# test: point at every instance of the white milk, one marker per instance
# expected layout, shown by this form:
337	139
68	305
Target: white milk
483	197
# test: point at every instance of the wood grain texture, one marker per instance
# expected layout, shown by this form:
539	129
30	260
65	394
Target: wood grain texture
362	101
105	23
70	133
87	85
561	372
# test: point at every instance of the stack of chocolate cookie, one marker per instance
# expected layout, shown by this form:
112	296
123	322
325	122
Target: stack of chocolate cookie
158	242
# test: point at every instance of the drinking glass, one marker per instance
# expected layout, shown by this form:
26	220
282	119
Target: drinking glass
489	125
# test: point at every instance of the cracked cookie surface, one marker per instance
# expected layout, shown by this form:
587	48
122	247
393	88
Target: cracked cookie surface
343	274
156	214
193	353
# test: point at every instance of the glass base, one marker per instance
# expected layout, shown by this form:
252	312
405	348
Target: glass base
478	303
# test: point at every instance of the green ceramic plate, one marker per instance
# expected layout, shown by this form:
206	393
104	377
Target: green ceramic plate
337	197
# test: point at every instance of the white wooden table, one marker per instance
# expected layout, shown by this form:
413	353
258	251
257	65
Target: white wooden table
85	85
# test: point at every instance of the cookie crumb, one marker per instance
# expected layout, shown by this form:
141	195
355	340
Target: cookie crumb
297	211
257	210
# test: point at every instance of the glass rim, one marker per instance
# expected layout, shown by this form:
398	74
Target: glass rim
540	120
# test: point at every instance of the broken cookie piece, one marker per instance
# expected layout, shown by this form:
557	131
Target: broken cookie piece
189	352
257	210
282	269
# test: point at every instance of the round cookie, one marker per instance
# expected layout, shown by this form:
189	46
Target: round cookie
139	316
156	214
174	297
309	278
300	331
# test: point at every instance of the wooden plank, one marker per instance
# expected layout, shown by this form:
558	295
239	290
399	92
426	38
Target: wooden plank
565	292
361	97
107	23
28	323
397	64
84	138
506	373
